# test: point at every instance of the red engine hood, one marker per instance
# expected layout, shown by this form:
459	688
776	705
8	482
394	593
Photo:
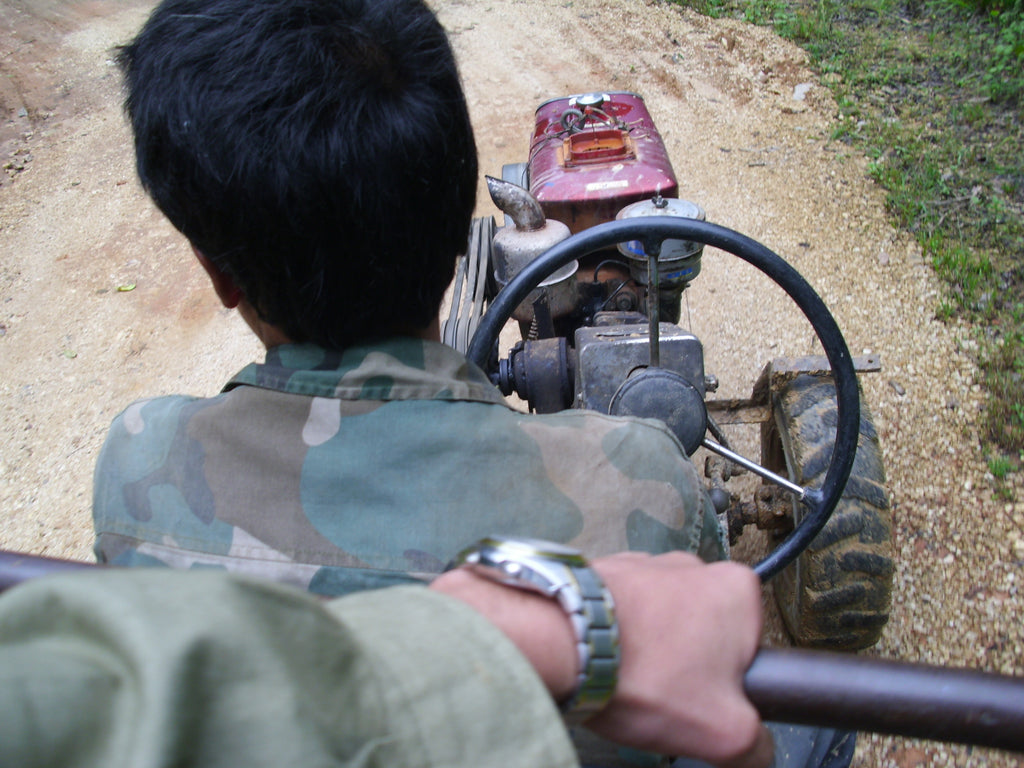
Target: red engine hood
585	171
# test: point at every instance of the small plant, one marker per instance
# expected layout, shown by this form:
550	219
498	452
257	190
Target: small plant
1000	466
946	310
1004	77
762	12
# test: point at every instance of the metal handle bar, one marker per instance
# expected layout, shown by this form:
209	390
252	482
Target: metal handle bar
840	690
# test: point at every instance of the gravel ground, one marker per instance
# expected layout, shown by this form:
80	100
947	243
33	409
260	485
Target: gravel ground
100	302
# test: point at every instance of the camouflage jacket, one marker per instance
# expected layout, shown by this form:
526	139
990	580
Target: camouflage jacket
345	471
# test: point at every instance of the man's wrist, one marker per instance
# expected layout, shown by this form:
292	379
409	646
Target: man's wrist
537	626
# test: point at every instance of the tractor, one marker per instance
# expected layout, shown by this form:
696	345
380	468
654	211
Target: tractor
593	258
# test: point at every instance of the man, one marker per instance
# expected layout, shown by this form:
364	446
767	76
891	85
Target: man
156	667
319	158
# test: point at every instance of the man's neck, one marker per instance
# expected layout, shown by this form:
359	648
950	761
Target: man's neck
272	336
431	333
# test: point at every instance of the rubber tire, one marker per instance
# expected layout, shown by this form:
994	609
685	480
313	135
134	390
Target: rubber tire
838	593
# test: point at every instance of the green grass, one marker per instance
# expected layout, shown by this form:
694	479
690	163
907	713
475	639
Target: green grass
1000	466
932	92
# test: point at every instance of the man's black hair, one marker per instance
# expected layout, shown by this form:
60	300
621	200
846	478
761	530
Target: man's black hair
318	152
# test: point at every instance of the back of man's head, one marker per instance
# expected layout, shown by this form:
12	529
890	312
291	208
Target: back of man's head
318	152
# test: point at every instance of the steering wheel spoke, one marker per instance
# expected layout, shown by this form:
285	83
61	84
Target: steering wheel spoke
755	468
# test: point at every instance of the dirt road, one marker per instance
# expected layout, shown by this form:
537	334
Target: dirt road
101	303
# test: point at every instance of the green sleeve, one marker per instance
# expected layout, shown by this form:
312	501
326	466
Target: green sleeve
163	668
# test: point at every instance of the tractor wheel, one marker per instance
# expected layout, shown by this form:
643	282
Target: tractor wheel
837	594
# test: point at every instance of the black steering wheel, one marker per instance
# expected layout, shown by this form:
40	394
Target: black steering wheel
651	231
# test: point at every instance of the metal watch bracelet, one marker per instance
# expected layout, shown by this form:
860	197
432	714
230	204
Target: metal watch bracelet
592	613
560	573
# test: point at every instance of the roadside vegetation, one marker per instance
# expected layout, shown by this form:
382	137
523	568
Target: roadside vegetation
932	91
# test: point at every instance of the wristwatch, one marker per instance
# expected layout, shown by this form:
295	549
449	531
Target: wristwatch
562	574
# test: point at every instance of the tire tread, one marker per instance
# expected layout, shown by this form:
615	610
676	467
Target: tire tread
839	592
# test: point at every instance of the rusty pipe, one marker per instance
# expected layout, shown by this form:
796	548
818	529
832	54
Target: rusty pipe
519	204
516	247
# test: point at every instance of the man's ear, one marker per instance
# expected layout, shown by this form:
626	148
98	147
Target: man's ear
229	294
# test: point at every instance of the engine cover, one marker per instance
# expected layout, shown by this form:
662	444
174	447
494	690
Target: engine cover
583	170
608	355
664	394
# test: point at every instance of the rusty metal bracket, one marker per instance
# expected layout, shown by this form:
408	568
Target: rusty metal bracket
757	408
771	509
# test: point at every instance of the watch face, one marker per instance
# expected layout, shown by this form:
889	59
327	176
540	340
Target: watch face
535	548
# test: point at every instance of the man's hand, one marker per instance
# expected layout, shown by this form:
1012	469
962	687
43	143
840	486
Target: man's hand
688	632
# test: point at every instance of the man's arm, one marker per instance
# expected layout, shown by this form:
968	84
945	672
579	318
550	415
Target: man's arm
688	632
157	667
161	667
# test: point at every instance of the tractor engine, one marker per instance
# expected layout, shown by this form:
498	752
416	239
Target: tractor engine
601	332
586	333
